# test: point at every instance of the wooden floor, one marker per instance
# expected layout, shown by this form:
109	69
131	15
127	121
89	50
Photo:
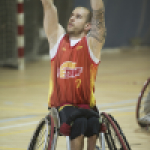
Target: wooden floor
23	97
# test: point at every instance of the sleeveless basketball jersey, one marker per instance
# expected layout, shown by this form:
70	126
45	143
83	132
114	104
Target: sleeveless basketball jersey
73	74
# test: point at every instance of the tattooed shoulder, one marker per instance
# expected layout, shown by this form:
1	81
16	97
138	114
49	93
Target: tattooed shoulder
98	30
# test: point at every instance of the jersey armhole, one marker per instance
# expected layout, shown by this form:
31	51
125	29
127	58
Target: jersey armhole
91	55
53	51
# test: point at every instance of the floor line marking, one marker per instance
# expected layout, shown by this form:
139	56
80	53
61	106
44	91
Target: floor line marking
17	118
116	103
35	122
18	125
126	109
9	148
16	132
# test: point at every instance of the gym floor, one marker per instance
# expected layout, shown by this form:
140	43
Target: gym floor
24	95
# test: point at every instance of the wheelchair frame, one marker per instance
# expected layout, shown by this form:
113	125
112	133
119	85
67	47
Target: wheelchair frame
52	125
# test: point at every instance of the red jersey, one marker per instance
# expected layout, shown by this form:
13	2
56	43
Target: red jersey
73	74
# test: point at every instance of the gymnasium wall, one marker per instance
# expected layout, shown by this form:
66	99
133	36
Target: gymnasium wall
127	23
8	30
35	41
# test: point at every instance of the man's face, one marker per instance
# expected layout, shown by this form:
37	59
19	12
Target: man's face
77	21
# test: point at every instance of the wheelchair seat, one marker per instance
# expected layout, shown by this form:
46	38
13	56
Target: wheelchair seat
110	137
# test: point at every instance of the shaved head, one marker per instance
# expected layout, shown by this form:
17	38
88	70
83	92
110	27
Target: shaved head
89	14
79	22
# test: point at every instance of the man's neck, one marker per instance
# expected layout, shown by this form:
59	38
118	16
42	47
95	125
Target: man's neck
76	37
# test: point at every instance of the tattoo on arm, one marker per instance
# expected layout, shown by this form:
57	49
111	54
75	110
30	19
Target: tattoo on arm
98	30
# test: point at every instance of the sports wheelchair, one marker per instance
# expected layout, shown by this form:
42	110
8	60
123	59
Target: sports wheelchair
47	131
143	106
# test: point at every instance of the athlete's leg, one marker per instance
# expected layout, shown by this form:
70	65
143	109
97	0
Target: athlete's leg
78	130
77	143
91	142
93	128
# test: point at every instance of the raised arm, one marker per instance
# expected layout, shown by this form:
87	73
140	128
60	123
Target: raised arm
52	27
96	36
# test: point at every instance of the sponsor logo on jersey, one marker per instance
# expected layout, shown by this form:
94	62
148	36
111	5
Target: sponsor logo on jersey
79	47
64	49
68	70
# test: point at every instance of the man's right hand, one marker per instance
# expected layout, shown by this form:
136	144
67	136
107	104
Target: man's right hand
47	3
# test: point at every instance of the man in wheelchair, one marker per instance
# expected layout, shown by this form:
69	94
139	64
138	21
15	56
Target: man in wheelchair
75	56
146	119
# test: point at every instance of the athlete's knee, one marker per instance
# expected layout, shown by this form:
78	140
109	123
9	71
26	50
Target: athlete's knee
93	123
78	128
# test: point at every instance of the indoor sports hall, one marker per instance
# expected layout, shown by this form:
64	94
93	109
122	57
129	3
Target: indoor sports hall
25	68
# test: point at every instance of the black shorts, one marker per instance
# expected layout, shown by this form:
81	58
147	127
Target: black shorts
82	125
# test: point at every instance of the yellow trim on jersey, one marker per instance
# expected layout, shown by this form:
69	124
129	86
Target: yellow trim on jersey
92	83
64	106
79	47
51	86
50	90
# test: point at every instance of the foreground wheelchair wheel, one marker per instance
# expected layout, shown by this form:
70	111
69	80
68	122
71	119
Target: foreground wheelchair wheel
121	132
113	138
43	137
143	105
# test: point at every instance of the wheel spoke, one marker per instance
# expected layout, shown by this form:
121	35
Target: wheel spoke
38	140
112	138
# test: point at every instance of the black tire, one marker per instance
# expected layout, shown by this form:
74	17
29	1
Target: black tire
121	132
140	112
38	139
113	138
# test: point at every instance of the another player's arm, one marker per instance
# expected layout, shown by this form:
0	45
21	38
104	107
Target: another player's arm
96	36
52	27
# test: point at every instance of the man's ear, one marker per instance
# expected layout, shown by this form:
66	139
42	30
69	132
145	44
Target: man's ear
87	26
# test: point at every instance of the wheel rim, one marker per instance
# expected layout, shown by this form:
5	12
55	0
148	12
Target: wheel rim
113	139
40	140
121	132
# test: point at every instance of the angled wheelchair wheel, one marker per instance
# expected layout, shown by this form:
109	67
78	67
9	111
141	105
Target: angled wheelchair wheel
43	136
143	105
113	138
121	132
